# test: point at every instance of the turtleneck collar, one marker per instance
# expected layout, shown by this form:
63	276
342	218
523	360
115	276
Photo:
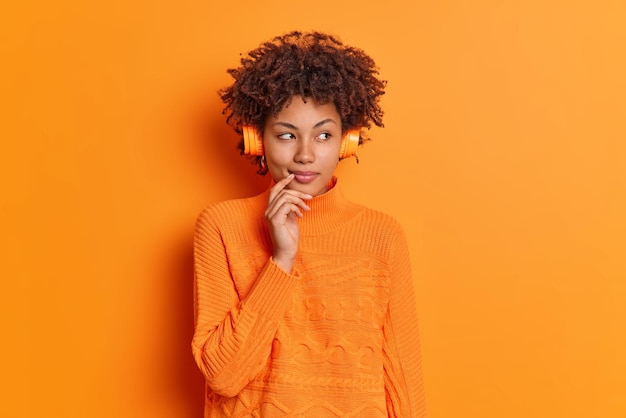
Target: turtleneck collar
329	211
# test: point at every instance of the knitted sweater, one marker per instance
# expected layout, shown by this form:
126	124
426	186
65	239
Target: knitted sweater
337	337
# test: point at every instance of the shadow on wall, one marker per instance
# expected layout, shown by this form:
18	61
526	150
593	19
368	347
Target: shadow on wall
186	379
228	174
225	175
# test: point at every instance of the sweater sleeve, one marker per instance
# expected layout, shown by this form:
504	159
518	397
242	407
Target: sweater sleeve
233	338
401	347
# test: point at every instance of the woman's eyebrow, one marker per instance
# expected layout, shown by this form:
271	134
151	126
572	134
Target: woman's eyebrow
285	124
291	126
323	122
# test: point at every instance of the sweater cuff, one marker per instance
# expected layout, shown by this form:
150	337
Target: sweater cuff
271	293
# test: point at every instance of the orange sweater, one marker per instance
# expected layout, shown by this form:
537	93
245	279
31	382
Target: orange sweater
336	337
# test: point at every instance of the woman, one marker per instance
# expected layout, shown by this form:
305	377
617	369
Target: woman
304	303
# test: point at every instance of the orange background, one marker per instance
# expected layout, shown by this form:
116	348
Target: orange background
503	155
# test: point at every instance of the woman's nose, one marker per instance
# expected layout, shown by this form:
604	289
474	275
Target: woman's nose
304	151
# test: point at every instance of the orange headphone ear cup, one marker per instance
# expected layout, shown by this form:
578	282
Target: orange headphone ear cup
252	143
349	144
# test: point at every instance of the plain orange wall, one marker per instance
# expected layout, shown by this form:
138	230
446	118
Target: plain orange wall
503	155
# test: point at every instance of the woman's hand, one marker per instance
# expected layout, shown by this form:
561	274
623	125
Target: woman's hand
283	207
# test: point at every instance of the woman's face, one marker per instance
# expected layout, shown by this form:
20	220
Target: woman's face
304	139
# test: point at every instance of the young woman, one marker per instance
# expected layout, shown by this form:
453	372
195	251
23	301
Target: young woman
304	302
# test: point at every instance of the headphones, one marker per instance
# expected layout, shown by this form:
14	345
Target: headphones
253	145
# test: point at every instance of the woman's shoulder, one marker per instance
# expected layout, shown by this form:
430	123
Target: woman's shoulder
236	210
376	233
380	219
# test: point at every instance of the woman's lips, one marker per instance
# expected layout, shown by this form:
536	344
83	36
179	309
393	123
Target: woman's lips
304	176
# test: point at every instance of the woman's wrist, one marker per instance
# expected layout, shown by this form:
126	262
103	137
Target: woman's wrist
284	262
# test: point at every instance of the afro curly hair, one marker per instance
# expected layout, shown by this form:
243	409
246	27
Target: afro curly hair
312	65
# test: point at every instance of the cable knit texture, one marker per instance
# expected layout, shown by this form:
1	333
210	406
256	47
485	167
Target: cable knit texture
337	337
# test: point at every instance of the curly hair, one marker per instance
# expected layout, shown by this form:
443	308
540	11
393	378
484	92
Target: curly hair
312	65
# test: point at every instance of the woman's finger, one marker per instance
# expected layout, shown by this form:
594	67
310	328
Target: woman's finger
281	185
286	203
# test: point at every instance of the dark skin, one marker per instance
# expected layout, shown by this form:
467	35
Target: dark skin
284	206
302	146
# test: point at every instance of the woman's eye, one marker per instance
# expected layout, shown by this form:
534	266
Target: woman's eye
324	136
286	136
